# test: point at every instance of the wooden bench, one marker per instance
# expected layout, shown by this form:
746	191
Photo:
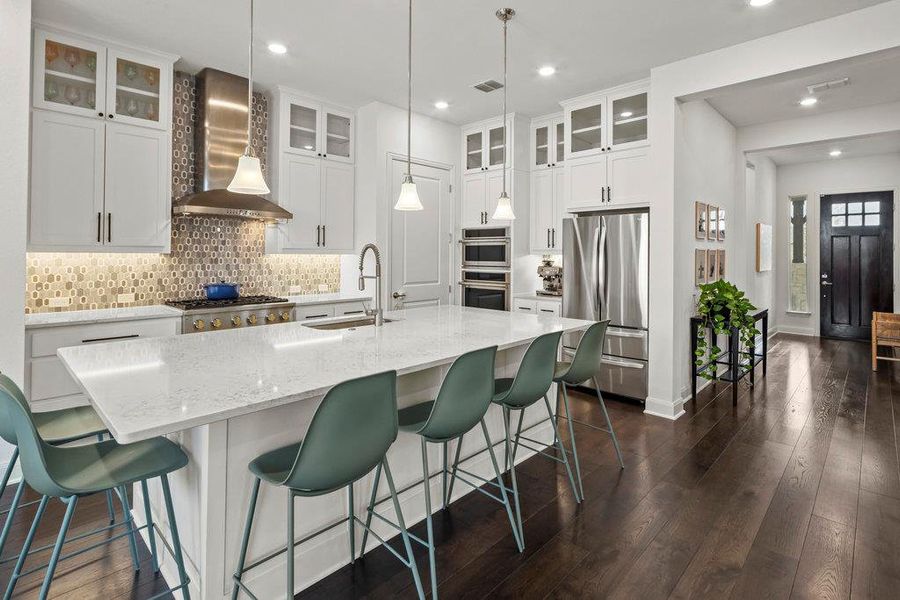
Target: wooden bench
885	332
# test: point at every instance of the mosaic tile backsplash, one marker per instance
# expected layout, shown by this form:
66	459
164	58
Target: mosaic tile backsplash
204	249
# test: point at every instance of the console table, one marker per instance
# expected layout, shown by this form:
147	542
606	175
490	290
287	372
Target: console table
739	362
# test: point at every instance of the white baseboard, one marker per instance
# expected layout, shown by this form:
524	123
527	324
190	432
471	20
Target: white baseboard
797	331
666	409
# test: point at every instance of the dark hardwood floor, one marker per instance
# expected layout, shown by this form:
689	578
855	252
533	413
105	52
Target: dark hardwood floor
795	493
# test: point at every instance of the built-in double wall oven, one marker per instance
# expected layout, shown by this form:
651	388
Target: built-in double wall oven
485	268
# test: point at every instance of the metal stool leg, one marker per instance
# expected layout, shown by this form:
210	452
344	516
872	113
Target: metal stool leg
509	512
245	540
13	508
351	523
129	523
371	507
110	508
562	451
427	485
512	473
403	533
290	545
518	433
57	548
176	541
449	495
612	432
26	547
444	477
148	517
565	397
9	469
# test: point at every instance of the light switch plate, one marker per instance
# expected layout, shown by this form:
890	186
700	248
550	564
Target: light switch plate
125	298
58	302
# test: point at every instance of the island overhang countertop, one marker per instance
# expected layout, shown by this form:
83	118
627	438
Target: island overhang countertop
155	386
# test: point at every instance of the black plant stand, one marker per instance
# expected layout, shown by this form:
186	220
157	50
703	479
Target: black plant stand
739	362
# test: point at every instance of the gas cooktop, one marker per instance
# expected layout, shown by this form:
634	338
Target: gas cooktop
204	304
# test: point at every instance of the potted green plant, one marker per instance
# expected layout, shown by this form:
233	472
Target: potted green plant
722	306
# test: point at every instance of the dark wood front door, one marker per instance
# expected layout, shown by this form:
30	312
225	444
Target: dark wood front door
856	262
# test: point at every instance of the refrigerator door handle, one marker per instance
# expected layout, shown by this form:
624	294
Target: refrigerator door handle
601	272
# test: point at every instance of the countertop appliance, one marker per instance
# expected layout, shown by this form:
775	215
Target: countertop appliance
486	247
606	261
244	311
485	288
552	278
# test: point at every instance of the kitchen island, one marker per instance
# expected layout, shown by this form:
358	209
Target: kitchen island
228	396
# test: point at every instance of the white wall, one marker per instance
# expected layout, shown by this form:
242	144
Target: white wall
860	32
760	208
705	167
871	173
15	48
381	130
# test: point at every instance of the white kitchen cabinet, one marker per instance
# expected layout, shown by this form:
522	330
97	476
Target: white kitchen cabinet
320	194
607	121
310	127
483	146
479	198
549	307
547	209
548	142
616	180
137	187
524	305
139	89
67	171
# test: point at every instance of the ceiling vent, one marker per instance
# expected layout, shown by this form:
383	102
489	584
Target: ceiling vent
818	88
488	86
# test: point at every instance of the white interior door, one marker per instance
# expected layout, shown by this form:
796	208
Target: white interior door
421	241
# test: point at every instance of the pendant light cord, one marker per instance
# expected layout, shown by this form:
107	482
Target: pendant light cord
250	89
409	99
505	137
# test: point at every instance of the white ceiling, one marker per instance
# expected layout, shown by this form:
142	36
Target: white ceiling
886	143
354	51
874	79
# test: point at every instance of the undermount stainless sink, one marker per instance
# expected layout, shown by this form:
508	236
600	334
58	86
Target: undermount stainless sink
344	323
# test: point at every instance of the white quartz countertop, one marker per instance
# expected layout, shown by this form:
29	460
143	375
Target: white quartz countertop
334	298
153	386
535	296
101	315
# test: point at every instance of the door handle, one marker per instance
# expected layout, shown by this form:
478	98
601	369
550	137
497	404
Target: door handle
548	237
318	235
603	194
554	237
323	235
827	283
109	227
398	295
608	194
99	225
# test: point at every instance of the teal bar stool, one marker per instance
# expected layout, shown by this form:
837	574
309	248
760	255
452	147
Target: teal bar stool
530	385
584	366
362	411
72	472
56	427
460	406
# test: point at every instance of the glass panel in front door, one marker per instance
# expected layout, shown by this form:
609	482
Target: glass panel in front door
337	134
303	125
495	138
70	75
474	150
137	90
541	146
587	132
629	119
560	142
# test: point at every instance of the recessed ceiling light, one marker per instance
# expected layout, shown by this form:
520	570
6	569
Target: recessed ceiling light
626	114
441	105
835	153
809	101
276	48
758	3
547	71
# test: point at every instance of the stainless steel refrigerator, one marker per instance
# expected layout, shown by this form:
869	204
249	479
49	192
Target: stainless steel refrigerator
606	275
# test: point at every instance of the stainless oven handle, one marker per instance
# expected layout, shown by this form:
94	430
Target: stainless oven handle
626	333
486	286
484	241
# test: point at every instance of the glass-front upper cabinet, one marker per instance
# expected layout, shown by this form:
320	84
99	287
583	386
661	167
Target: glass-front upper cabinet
135	91
474	151
628	113
69	74
483	147
338	138
306	126
303	128
497	147
586	135
548	143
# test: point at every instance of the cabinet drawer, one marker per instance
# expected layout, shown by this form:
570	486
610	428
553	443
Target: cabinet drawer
522	305
46	342
318	311
49	379
624	377
549	308
350	308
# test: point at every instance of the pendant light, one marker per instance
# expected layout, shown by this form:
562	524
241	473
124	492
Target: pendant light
504	210
409	196
248	178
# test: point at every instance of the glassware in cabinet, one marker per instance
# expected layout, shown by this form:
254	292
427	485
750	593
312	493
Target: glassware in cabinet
68	74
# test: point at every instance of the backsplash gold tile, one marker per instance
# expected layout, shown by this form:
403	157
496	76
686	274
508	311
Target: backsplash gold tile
204	249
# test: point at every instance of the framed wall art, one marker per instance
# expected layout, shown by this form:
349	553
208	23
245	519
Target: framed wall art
721	227
699	267
763	247
700	220
720	263
712	223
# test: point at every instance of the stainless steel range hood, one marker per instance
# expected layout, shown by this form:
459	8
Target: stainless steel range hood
219	140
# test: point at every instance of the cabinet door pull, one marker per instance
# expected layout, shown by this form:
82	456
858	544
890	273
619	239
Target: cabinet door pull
323	235
608	194
318	235
554	237
548	237
110	339
603	194
109	227
99	225
316	316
